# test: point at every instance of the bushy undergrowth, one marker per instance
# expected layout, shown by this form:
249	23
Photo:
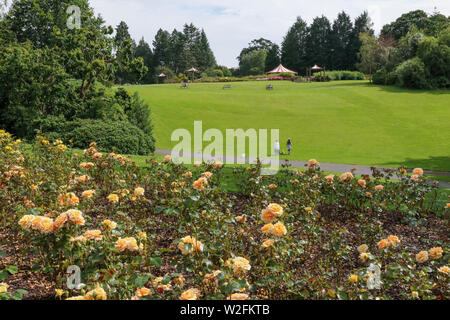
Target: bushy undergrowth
344	75
167	232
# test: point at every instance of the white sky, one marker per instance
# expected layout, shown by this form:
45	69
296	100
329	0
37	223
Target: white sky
231	24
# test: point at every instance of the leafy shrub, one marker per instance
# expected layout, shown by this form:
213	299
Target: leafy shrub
117	136
384	77
324	78
344	75
411	74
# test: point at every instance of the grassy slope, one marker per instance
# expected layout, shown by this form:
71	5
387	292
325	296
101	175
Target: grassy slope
338	122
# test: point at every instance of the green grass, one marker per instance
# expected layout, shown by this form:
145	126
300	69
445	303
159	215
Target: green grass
348	122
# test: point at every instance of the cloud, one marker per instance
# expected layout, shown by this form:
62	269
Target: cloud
232	24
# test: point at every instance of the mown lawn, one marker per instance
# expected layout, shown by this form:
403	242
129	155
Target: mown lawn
348	122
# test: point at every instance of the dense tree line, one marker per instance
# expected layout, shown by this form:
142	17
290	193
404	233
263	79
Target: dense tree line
173	53
413	52
53	77
332	45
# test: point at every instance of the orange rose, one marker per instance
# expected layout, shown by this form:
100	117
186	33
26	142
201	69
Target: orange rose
279	230
268	216
435	253
267	228
362	183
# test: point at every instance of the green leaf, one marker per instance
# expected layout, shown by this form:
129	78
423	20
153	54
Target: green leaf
3	275
155	261
12	269
141	280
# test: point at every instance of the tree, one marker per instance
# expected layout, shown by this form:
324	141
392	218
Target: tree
400	27
318	44
340	42
122	41
368	54
363	24
273	58
255	45
87	53
205	56
144	51
161	48
437	23
32	85
253	63
293	48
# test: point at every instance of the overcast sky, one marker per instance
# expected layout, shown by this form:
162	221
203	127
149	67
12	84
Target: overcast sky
231	24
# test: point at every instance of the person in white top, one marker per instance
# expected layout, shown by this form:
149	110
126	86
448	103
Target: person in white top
277	147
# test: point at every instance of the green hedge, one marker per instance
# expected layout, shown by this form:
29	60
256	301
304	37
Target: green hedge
118	136
343	75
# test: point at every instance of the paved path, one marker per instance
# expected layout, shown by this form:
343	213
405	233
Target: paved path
360	170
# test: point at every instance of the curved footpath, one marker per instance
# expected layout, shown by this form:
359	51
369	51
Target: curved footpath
360	170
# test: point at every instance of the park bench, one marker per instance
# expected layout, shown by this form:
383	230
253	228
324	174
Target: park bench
185	86
227	86
269	87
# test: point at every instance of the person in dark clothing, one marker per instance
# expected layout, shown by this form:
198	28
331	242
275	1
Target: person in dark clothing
289	146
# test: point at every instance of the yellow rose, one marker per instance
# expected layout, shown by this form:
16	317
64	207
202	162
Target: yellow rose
127	244
239	296
363	248
3	287
422	257
191	294
329	178
279	230
239	264
444	269
393	240
93	235
75	217
353	278
97	294
364	257
27	221
195	245
268	243
276	209
139	192
87	194
114	198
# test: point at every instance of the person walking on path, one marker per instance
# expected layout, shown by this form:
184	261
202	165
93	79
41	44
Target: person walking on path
289	146
277	147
